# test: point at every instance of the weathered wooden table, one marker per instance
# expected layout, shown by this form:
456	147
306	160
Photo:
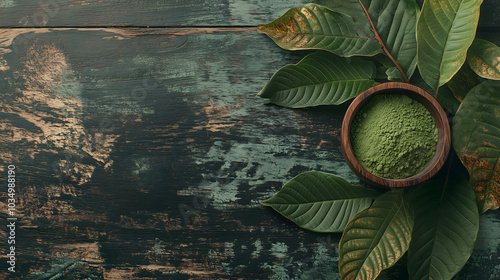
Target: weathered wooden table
142	152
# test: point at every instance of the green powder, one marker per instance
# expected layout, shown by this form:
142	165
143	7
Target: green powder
394	136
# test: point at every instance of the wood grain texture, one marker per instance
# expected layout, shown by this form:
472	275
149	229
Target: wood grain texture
82	13
162	13
149	163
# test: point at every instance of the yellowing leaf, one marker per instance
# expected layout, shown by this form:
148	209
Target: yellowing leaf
314	26
484	58
476	140
376	238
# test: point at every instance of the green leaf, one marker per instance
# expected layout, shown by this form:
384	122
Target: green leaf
448	100
484	58
446	225
395	23
476	140
316	27
463	81
445	30
321	78
390	72
377	237
320	201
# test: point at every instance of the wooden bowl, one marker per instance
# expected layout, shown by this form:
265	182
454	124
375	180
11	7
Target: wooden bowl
429	102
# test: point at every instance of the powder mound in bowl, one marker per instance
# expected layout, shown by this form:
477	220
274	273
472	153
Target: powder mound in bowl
394	136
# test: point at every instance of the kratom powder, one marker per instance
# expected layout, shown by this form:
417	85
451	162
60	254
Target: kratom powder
393	136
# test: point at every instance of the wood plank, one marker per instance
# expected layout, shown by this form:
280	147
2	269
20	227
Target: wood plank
78	13
145	153
141	13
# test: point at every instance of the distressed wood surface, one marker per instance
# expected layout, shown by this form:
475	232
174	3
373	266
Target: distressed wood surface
143	153
141	13
153	164
80	13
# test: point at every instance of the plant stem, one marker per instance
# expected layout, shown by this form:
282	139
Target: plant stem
377	37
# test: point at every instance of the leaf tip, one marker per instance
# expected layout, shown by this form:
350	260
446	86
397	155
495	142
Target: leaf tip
265	203
261	28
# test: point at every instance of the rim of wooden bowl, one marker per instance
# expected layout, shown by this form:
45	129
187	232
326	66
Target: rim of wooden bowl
430	103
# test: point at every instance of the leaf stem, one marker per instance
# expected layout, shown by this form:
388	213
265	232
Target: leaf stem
377	37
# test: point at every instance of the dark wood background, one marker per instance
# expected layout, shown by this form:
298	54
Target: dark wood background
142	151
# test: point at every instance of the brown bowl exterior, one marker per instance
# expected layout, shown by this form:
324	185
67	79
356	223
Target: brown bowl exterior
430	103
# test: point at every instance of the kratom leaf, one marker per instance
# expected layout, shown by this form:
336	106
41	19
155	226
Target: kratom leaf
395	23
314	26
390	72
321	78
445	30
351	8
476	140
463	81
320	201
377	237
446	225
447	100
484	58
